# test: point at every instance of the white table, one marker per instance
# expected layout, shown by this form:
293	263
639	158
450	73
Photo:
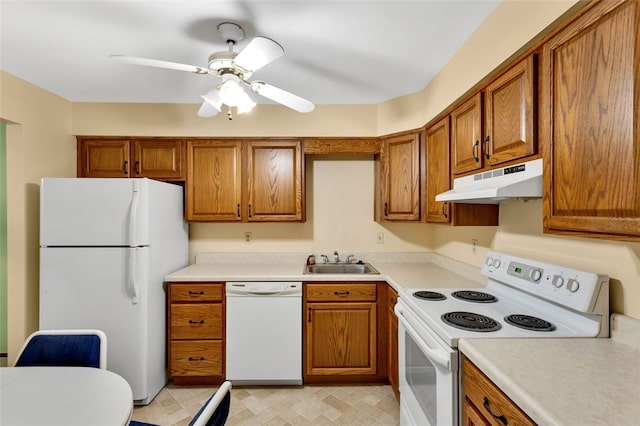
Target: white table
63	396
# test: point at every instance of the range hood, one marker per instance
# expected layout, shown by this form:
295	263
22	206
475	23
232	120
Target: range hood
495	186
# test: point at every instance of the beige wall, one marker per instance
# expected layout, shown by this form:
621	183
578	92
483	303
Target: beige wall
340	204
39	143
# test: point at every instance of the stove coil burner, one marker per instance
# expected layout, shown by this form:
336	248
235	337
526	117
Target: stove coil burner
474	296
528	322
429	295
470	321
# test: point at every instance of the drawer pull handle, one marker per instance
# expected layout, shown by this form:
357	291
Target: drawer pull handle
341	293
196	293
487	406
196	322
196	359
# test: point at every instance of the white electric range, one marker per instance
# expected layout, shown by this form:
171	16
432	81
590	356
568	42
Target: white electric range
523	298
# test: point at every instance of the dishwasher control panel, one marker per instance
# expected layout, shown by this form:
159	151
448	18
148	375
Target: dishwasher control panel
263	288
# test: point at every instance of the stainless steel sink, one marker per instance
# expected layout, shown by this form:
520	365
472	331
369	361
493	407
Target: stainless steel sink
340	268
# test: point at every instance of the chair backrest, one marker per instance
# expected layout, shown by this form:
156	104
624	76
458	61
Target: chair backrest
83	348
216	410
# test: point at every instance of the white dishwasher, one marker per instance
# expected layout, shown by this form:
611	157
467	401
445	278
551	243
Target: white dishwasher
264	333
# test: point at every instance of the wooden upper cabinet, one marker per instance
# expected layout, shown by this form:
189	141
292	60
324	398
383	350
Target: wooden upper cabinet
123	157
498	124
400	170
275	171
235	180
509	114
438	175
466	136
102	157
214	180
590	124
159	159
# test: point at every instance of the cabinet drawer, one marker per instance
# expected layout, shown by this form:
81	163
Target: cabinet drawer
196	321
490	401
341	292
196	358
195	293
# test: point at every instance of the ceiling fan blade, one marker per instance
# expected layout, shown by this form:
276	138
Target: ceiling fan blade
259	52
283	97
159	64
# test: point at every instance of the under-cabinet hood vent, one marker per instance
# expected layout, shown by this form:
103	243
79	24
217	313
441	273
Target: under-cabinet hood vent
495	186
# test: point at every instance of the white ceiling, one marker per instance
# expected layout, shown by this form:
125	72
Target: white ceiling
336	51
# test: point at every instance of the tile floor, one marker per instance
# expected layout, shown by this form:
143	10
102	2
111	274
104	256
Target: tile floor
358	405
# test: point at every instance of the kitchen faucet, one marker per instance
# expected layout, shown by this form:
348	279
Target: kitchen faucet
336	257
350	258
324	257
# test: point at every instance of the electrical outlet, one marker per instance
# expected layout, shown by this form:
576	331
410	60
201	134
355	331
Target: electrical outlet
474	246
380	238
247	237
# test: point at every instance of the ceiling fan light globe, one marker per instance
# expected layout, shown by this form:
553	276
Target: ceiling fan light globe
231	93
246	105
213	98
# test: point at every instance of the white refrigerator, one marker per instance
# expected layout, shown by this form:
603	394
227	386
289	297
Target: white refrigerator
105	248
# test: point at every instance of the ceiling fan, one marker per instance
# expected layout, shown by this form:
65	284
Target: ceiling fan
234	70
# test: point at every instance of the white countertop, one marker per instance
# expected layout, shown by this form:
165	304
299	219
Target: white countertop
567	381
416	270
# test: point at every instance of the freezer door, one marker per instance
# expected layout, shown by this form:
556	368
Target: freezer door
90	288
94	212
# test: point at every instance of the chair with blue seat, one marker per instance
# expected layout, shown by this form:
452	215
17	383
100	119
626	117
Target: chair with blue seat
214	412
80	348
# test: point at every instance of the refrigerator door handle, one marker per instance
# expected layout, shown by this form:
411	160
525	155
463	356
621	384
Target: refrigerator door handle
131	278
133	213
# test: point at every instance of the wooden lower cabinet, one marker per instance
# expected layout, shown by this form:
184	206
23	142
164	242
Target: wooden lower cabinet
341	338
485	404
195	332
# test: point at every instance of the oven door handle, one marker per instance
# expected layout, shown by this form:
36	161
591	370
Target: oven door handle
438	356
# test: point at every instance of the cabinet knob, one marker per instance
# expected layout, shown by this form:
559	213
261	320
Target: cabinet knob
444	209
125	167
137	167
341	293
196	322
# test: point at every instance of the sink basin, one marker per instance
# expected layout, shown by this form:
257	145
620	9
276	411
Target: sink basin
340	268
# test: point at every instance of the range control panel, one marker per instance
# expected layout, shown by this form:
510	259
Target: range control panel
569	287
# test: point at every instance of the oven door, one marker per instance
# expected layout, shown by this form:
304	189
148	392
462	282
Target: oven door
428	372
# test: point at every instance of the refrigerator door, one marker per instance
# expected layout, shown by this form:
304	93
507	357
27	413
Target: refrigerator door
90	288
94	212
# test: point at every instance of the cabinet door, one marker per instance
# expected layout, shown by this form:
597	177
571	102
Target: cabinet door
275	181
509	114
213	181
393	342
158	159
438	175
590	116
341	338
466	135
103	158
400	169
